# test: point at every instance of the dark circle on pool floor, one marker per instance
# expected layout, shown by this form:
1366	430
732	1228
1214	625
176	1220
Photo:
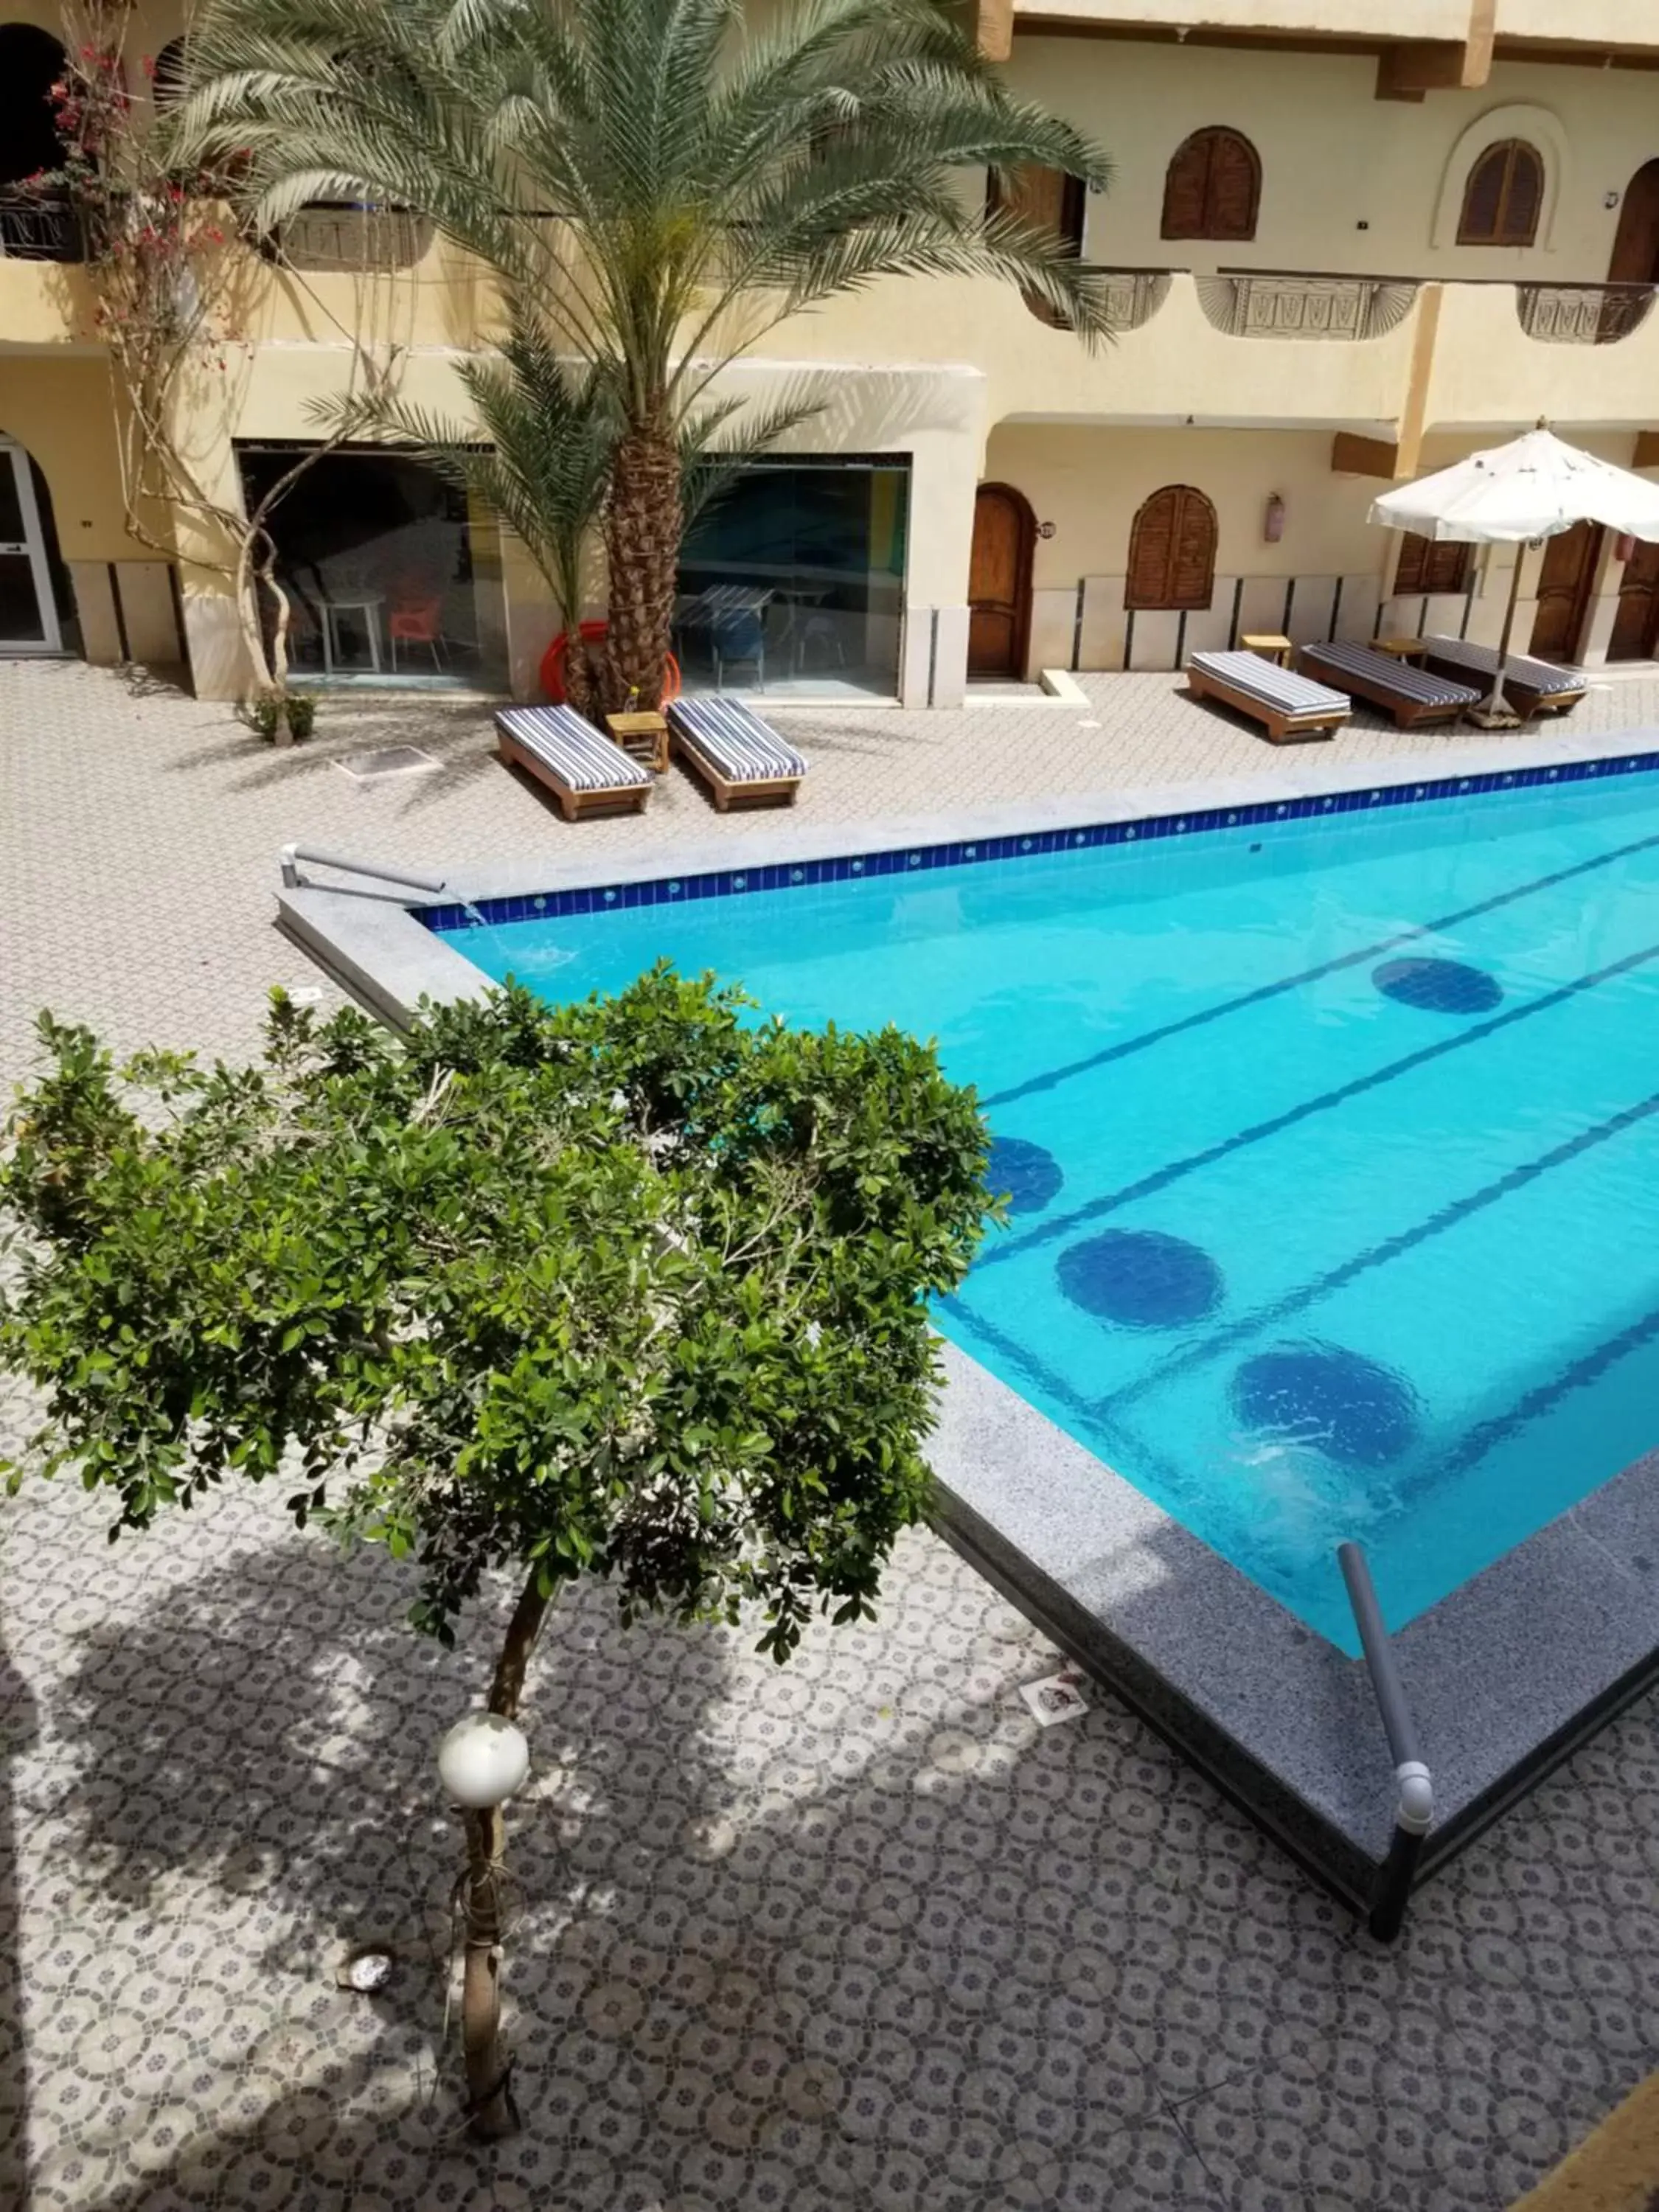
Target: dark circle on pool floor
1141	1278
1438	987
1029	1173
1352	1409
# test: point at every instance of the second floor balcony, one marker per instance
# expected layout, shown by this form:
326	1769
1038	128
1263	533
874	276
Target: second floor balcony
33	229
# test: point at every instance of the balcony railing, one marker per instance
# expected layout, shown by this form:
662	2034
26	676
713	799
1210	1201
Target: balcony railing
1581	314
1133	296
1282	303
352	240
39	230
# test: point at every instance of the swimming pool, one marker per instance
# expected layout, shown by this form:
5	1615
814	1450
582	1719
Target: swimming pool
1331	1146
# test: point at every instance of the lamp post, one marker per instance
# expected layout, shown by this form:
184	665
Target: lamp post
481	1762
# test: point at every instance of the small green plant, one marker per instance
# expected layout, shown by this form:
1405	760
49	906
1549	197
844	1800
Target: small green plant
264	716
635	1289
302	715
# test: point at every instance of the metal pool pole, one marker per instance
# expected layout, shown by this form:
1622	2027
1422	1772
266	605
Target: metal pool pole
291	856
1415	1812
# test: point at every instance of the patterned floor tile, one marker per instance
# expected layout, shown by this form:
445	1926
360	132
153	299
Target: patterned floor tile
854	1934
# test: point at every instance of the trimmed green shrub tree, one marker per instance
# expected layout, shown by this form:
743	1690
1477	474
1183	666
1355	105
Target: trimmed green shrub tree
636	1288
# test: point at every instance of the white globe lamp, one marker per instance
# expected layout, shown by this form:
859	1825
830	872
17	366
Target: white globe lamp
482	1760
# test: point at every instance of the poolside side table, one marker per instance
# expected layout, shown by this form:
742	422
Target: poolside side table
1271	647
1403	648
644	737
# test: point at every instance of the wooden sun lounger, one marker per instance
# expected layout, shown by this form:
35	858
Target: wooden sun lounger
742	759
1289	707
1411	695
1532	687
586	773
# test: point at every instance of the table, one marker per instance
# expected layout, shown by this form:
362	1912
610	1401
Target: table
368	606
721	601
1403	648
643	736
1270	646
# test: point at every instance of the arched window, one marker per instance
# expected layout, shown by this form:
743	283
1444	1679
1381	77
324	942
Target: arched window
1172	551
1213	187
1426	566
1503	196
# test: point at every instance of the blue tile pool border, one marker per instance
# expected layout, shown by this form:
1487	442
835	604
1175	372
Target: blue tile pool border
454	917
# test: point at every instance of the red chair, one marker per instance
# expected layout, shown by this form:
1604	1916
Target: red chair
417	622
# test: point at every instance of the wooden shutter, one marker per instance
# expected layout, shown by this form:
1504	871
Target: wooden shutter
1503	196
1213	187
1425	566
1235	186
1172	551
1523	196
1185	188
1193	580
1046	198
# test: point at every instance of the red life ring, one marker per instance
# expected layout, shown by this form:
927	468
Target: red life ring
552	669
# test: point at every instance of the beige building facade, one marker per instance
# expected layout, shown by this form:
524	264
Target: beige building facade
1336	258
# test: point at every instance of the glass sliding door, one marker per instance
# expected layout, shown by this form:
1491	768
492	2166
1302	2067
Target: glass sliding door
793	581
389	579
29	610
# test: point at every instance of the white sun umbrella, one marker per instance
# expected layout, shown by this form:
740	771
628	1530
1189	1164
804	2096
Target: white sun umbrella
1537	486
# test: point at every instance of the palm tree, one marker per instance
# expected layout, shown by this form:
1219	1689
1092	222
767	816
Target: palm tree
539	452
654	185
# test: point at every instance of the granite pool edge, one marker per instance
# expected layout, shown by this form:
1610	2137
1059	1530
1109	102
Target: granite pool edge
1506	1675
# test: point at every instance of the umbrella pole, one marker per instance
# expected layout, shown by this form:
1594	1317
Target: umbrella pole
1494	715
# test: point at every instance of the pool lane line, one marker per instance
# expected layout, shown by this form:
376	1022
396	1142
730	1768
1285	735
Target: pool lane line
1325	1101
1486	1435
1458	1210
1054	1076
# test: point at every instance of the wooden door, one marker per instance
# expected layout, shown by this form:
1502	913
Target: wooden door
1564	591
999	582
1635	253
1636	246
1635	626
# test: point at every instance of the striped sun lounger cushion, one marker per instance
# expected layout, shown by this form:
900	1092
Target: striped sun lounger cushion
1339	659
571	749
1537	675
1282	690
734	741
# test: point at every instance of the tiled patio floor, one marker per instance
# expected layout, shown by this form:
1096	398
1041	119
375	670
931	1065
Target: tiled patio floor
854	1934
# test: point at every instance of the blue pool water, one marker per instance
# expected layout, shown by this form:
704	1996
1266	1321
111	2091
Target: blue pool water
1333	1149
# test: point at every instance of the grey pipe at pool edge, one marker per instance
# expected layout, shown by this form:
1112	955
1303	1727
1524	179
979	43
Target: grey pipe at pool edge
293	854
1415	1812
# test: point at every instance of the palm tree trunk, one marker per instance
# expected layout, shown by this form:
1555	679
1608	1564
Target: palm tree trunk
642	528
580	687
